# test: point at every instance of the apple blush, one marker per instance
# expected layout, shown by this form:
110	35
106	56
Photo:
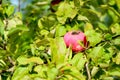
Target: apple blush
73	39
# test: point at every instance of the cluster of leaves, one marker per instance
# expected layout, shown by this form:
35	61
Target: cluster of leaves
32	48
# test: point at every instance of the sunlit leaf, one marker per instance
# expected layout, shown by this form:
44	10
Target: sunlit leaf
79	61
84	18
41	70
24	60
99	56
1	27
93	37
112	2
21	71
118	3
115	28
54	74
117	59
17	30
102	26
60	31
94	71
10	10
12	23
2	64
58	50
66	10
114	72
88	26
108	36
44	32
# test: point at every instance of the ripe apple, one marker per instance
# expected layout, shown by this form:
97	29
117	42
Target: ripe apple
73	39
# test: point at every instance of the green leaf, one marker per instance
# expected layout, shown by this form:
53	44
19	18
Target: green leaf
83	18
114	72
10	10
93	37
58	50
96	53
54	74
94	71
112	2
78	61
77	3
35	60
1	10
114	14
40	24
90	15
115	28
12	23
102	26
60	31
1	27
66	10
73	72
22	60
2	64
116	41
44	32
117	59
33	48
88	26
17	30
41	70
47	22
18	15
118	3
108	36
21	71
99	56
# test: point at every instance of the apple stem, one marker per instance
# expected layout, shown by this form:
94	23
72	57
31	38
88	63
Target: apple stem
75	33
88	71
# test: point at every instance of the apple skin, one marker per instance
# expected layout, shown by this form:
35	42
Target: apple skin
72	39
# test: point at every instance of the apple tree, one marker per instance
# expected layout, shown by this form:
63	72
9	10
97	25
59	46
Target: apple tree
42	41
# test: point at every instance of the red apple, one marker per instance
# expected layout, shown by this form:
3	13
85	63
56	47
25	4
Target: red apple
73	39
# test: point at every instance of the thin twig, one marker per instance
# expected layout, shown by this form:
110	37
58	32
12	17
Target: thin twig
88	71
11	69
57	78
11	61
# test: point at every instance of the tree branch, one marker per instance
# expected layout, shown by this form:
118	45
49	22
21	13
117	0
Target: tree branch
88	71
0	1
19	6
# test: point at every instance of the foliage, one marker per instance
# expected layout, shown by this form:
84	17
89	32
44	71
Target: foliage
32	45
